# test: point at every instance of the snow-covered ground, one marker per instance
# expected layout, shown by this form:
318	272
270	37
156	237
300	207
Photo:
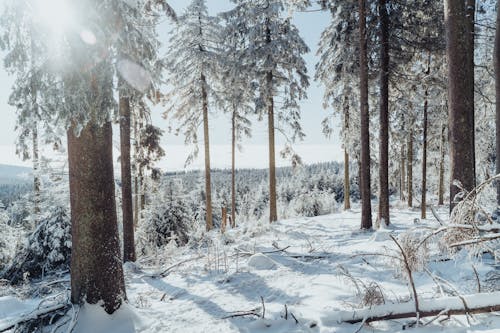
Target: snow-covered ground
327	267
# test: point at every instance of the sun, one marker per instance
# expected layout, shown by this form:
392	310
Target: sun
56	14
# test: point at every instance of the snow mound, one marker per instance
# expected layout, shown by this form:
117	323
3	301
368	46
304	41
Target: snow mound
260	261
381	235
93	318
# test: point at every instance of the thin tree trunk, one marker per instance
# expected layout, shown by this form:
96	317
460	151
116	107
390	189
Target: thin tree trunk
233	168
461	97
96	267
423	205
497	93
383	206
403	174
441	167
347	185
273	210
136	173
409	160
126	179
366	211
208	182
36	175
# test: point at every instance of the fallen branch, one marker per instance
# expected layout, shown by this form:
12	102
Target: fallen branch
436	215
476	303
477	240
166	271
34	315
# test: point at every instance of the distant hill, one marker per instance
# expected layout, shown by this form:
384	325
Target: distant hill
12	175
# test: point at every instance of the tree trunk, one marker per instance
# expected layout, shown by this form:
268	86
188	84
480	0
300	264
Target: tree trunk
497	93
126	175
402	177
409	160
208	182
470	7
347	187
96	267
461	97
441	167
136	173
423	205
273	210
383	206
36	175
366	211
233	168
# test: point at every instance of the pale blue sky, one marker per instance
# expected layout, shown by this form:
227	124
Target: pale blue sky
310	24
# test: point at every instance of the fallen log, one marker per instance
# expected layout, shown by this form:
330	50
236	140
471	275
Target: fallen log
459	305
34	315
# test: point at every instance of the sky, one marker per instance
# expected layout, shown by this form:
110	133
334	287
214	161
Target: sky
315	147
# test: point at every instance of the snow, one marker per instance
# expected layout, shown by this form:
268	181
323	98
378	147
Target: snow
297	263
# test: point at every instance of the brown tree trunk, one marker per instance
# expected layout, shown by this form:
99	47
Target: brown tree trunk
273	210
470	7
208	182
409	160
441	167
461	97
36	175
383	206
347	186
96	266
233	168
423	205
366	210
497	93
402	177
126	175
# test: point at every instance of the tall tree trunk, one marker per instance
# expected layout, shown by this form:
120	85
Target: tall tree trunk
136	173
497	93
409	160
96	267
441	166
470	7
347	185
208	182
273	210
402	177
423	205
366	210
461	97
383	206
233	168
36	175
126	175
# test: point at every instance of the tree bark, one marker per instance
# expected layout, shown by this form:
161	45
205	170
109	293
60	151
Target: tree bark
403	174
383	206
497	93
366	210
36	175
233	168
441	167
273	210
208	182
126	179
96	267
409	160
460	96
347	185
423	205
136	173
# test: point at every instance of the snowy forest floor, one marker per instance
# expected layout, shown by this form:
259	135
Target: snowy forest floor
325	265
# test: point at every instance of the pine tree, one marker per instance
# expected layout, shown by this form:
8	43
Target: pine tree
192	61
274	51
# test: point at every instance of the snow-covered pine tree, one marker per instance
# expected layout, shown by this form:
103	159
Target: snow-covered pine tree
192	63
137	67
237	91
274	51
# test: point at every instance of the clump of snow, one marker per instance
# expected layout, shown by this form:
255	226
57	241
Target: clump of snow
260	261
93	318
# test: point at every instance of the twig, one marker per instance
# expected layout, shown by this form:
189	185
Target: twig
295	318
477	279
263	307
436	215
